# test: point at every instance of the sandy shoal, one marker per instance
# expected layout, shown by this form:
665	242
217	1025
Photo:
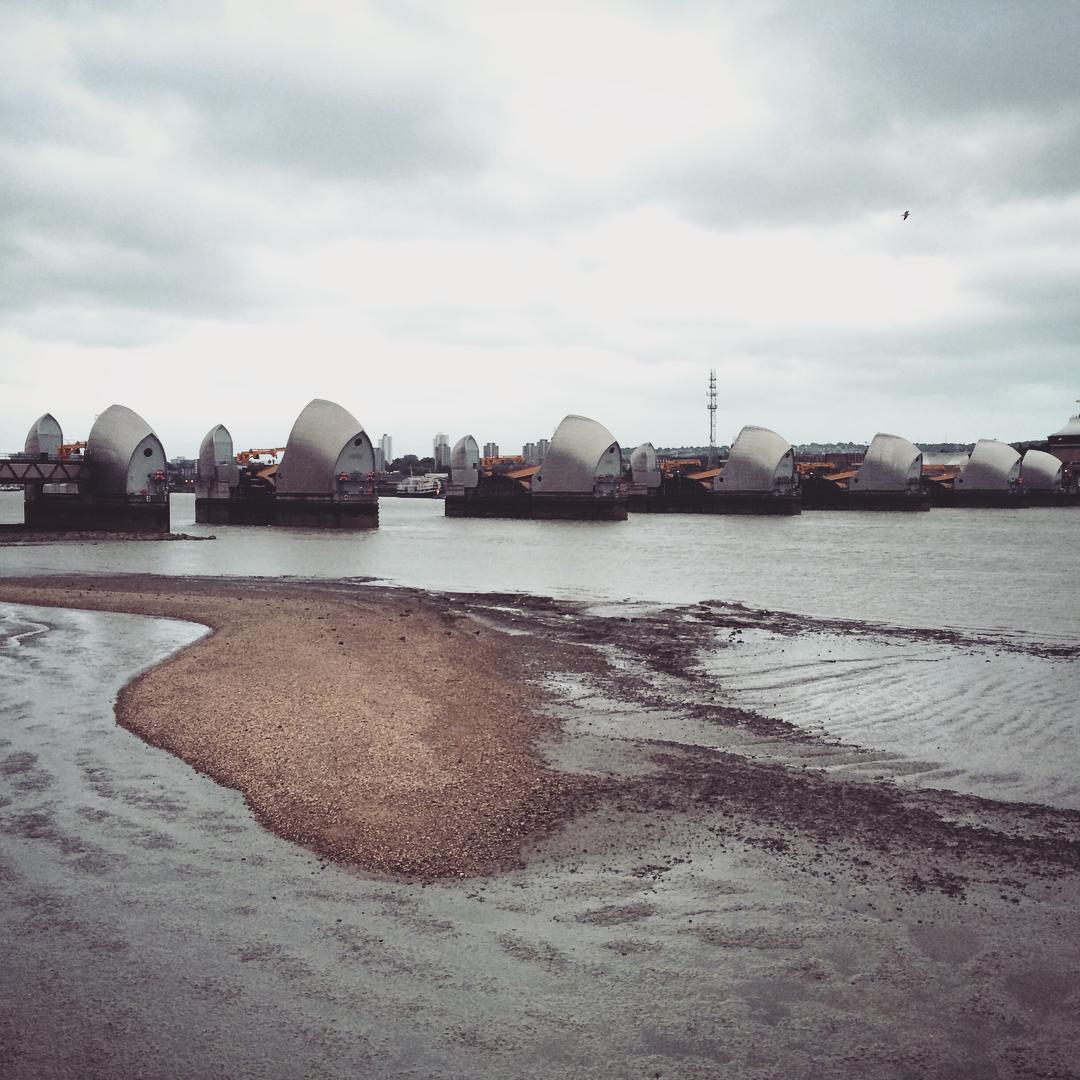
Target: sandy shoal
377	727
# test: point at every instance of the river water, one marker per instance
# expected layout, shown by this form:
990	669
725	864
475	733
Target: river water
982	717
1012	572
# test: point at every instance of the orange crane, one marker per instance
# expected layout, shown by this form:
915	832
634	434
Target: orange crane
678	464
246	455
259	474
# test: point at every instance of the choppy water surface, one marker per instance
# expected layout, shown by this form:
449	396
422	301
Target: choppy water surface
998	722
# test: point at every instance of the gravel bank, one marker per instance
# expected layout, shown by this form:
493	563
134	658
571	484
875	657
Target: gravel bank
380	728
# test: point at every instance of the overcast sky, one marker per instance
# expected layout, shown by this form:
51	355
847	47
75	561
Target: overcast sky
478	217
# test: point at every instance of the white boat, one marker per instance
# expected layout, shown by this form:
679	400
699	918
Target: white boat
420	487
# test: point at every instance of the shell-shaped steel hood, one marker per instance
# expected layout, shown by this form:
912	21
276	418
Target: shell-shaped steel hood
124	453
325	442
44	437
465	462
216	448
891	464
1041	471
581	452
760	460
644	468
993	466
217	464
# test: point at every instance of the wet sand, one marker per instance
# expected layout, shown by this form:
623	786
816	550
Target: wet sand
676	887
383	729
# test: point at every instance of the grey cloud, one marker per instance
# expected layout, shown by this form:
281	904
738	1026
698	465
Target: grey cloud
963	56
814	177
82	242
93	325
1039	293
984	343
107	295
28	116
361	124
94	274
366	136
779	179
888	106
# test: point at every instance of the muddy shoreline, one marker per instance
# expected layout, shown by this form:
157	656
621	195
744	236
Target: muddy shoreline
402	732
16	535
656	882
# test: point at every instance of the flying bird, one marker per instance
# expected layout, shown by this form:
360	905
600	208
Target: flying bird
904	215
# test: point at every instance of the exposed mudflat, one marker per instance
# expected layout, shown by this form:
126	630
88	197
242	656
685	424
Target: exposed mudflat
20	535
673	886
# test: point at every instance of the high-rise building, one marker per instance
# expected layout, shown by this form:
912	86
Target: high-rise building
386	445
491	449
541	450
441	446
380	461
530	453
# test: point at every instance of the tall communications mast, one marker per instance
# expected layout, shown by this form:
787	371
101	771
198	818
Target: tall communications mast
711	399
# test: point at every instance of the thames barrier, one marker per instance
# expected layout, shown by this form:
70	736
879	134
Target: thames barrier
116	481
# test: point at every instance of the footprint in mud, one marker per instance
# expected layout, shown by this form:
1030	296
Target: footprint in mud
20	762
772	999
615	914
946	944
632	948
100	863
542	954
1042	989
752	937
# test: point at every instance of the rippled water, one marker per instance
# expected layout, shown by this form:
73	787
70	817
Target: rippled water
983	719
969	717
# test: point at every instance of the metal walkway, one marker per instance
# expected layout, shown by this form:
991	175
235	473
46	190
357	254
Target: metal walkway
20	469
